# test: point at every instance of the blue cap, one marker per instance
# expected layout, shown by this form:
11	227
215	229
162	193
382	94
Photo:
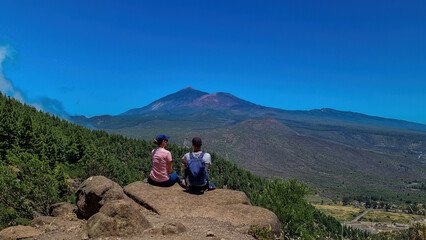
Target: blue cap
162	137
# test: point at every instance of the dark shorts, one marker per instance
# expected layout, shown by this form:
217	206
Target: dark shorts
174	178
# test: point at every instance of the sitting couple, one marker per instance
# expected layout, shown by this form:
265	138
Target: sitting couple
196	166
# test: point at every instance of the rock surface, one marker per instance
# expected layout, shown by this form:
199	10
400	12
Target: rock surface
221	204
65	228
117	218
19	232
94	193
155	213
62	209
173	228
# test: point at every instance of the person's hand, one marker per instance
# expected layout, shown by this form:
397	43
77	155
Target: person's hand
183	161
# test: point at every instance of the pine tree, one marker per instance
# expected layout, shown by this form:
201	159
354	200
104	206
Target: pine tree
26	138
7	127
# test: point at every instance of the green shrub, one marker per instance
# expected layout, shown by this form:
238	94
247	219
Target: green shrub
261	233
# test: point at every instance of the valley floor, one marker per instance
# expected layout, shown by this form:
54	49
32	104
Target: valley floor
371	220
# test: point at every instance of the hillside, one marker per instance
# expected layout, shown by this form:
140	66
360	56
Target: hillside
269	148
338	169
340	153
42	158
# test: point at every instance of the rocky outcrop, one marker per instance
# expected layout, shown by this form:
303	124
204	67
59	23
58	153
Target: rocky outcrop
117	218
109	211
143	211
94	193
221	204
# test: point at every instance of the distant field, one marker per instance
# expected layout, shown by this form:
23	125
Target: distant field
341	213
348	213
390	217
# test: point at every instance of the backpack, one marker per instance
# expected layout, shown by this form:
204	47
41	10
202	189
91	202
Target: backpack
197	170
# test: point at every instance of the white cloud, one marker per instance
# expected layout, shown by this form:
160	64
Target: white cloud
47	104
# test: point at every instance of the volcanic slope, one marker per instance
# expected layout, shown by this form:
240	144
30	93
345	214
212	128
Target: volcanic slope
190	109
338	152
269	148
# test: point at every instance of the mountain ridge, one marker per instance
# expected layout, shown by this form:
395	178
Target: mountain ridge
189	100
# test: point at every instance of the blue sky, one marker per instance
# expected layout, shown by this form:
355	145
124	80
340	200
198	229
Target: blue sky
105	57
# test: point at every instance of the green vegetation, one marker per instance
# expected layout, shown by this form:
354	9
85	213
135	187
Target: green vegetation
416	232
317	199
39	152
261	233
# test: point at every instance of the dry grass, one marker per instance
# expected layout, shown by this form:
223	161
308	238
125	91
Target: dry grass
341	213
348	213
390	217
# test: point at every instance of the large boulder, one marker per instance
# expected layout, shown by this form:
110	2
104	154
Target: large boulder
19	232
94	193
221	204
117	218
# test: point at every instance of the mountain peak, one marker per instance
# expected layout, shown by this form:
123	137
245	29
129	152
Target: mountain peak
169	102
184	91
192	98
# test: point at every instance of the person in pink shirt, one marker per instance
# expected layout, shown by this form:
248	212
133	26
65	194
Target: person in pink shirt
161	172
